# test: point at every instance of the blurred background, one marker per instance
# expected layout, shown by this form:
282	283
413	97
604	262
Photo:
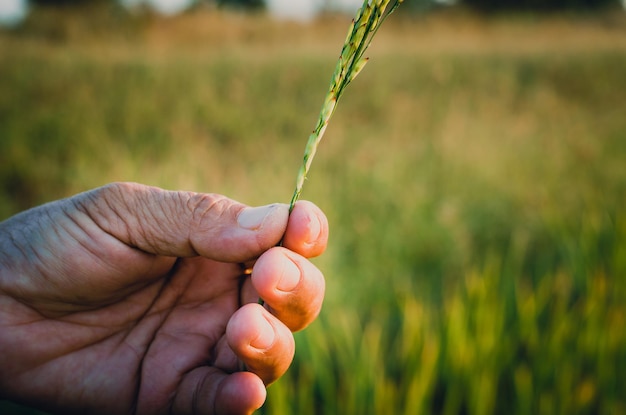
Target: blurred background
474	176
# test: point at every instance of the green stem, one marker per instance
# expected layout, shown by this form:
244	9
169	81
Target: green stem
350	63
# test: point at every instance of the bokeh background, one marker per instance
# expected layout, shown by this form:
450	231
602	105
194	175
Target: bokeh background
474	176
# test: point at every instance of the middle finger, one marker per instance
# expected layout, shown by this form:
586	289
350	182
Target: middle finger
291	286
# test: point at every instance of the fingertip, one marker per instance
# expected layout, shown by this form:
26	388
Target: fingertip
262	226
307	230
250	328
254	218
291	286
208	390
228	231
261	341
240	393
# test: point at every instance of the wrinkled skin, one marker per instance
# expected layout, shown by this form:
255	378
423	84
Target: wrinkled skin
132	299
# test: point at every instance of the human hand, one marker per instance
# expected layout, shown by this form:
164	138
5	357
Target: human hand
131	299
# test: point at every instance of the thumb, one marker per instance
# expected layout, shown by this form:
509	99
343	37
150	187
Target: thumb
184	224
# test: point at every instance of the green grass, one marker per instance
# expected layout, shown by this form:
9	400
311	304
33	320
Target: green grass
473	176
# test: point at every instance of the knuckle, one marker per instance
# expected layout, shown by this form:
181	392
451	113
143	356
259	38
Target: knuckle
207	205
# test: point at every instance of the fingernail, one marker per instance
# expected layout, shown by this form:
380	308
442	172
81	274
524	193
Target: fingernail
266	336
315	229
290	277
252	218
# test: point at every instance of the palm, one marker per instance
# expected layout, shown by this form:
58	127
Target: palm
163	331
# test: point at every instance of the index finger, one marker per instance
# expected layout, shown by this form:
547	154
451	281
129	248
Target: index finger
307	230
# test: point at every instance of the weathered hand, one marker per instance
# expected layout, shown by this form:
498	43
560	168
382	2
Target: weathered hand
132	299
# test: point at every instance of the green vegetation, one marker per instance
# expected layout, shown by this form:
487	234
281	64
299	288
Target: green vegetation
365	24
474	180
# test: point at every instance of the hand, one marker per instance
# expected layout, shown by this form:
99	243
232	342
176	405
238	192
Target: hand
131	299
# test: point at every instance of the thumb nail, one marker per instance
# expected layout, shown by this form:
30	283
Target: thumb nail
253	218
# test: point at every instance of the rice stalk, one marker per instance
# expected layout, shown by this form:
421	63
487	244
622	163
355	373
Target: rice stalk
351	62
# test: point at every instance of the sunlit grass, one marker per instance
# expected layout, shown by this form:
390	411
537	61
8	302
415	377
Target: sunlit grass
474	180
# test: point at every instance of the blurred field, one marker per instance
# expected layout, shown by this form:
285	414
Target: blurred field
474	177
